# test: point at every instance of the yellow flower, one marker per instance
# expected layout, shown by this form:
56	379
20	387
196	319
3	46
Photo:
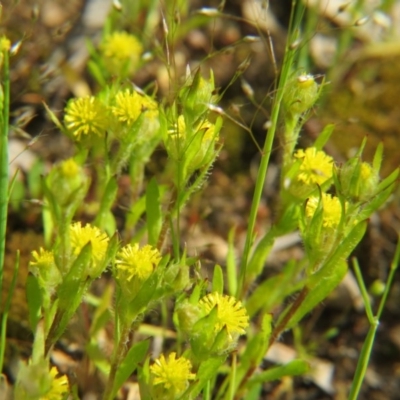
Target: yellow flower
129	105
178	130
133	261
209	131
332	209
121	52
366	171
69	168
86	116
231	313
316	166
5	44
80	236
59	386
172	373
43	260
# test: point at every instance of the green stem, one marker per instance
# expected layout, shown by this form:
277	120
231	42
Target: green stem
116	361
4	194
373	320
267	149
6	310
4	197
261	176
293	308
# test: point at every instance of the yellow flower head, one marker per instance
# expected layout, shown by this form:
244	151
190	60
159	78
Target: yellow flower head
80	236
209	131
133	261
59	386
121	52
129	105
366	171
5	44
332	209
316	166
43	260
86	116
178	130
172	373
69	168
231	313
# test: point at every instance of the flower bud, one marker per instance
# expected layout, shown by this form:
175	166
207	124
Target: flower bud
197	94
300	95
67	182
359	180
47	274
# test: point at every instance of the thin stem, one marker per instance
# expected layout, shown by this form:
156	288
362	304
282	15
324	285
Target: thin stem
7	309
293	308
374	322
266	153
4	195
117	358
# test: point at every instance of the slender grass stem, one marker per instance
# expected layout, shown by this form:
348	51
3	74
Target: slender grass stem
4	193
7	309
373	320
117	358
267	149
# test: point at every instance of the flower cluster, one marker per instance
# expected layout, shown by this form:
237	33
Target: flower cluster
89	118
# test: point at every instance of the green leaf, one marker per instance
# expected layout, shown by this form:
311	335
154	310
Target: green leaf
272	291
324	136
345	247
153	212
257	346
293	368
71	291
138	208
389	180
107	201
96	355
376	202
136	355
55	120
257	261
207	370
218	280
102	314
321	286
231	267
147	293
378	156
34	300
